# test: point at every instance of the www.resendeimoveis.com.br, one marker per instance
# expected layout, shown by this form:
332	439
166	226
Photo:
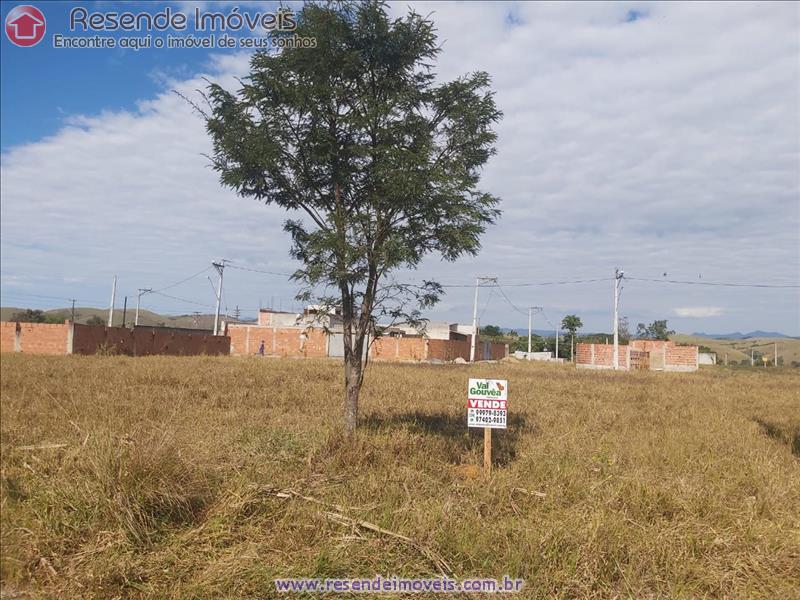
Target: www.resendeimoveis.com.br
395	584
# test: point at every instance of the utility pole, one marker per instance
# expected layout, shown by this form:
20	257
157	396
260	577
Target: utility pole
111	308
72	316
478	282
530	328
617	282
142	292
531	310
220	267
572	349
752	358
124	310
557	332
776	355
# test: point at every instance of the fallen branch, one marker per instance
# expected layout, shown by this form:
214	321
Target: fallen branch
534	493
42	447
342	519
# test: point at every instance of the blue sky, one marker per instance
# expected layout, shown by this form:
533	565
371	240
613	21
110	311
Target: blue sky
42	84
666	143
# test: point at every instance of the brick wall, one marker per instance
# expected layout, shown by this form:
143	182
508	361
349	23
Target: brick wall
448	349
399	348
498	350
681	358
640	360
668	355
601	356
35	338
8	336
146	341
288	341
246	339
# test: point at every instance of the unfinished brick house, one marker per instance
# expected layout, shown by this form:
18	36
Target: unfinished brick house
315	335
655	355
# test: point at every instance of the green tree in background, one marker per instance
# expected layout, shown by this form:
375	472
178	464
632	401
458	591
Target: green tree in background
657	330
95	320
34	315
380	163
491	331
571	323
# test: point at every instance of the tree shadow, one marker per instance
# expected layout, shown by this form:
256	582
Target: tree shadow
782	433
453	430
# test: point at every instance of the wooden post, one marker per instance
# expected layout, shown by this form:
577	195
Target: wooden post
487	450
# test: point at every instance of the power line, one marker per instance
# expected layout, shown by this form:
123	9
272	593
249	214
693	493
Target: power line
486	305
181	299
514	306
172	285
713	283
535	283
46	297
231	266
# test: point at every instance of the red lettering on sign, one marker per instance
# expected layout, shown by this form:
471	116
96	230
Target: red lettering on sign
486	404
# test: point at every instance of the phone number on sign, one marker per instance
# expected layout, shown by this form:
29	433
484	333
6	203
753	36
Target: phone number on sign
487	418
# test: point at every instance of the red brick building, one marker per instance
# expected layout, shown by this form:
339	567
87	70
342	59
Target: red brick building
656	355
311	335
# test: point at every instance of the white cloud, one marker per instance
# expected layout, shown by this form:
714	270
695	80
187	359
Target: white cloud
668	144
699	312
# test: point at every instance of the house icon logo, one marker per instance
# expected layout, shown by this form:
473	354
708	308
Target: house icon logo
25	25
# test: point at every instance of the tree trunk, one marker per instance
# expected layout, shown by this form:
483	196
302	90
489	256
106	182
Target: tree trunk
352	384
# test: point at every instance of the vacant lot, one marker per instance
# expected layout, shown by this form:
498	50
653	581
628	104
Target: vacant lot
209	477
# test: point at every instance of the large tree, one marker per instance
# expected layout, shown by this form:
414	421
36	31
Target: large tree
657	330
572	323
379	163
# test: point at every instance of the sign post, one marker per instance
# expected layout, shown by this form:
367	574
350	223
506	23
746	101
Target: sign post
487	407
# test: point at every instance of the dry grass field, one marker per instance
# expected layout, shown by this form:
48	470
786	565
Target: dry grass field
209	477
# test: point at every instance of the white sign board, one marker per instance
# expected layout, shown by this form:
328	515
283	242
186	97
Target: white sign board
487	403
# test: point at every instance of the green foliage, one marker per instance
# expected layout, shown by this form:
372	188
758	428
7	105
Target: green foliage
30	315
571	323
537	344
95	320
491	331
657	330
379	162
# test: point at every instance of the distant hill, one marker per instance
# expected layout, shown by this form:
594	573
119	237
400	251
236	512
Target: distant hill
738	349
146	317
742	336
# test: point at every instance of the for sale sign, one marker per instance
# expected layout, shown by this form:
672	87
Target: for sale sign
487	403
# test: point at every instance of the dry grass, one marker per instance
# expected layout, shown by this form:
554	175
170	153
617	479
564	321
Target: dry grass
606	485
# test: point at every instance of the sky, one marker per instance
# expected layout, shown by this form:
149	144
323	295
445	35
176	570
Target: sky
659	138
